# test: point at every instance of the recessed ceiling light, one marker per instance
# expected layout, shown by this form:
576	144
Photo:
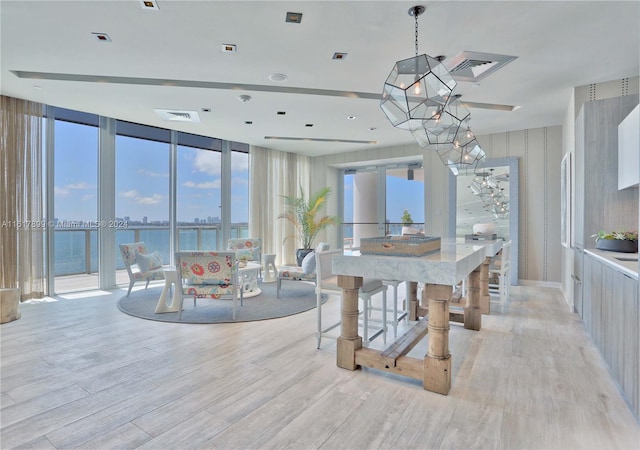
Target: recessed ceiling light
293	17
278	77
102	37
338	55
37	87
308	124
351	117
372	128
244	98
206	109
229	48
149	5
248	122
281	113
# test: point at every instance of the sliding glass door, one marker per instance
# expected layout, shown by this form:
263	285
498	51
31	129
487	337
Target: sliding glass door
375	201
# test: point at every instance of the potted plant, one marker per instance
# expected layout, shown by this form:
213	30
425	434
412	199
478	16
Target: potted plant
303	213
407	221
617	241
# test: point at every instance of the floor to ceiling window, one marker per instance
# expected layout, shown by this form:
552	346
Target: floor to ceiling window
143	194
239	192
75	199
198	196
142	189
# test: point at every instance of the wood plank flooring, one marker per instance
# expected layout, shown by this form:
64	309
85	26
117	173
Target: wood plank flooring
78	373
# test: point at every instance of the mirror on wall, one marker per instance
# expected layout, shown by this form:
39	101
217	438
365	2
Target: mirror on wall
488	196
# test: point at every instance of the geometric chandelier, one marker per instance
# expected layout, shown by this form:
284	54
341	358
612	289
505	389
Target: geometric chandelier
453	119
464	156
417	90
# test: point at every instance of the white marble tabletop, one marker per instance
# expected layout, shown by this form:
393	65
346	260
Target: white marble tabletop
449	266
492	247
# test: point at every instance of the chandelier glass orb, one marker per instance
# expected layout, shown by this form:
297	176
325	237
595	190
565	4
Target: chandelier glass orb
445	127
464	156
416	92
417	89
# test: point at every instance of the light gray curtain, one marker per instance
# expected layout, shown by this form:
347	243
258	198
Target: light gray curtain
272	174
21	219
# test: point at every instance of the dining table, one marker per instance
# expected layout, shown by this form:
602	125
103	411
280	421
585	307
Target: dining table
441	272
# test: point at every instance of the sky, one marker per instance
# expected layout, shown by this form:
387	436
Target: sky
142	181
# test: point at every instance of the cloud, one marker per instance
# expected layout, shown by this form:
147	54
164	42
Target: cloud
88	197
153	200
66	190
239	162
129	194
152	174
140	200
236	181
205	185
60	191
207	162
80	185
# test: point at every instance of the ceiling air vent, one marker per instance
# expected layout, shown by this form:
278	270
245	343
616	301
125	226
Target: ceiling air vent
475	66
171	115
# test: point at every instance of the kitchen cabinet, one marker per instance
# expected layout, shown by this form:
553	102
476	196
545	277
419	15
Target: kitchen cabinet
599	205
611	316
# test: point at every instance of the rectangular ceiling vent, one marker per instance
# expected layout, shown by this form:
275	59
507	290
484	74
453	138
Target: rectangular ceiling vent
171	115
476	66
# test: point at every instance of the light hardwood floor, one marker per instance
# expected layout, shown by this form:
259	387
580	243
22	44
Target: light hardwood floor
78	373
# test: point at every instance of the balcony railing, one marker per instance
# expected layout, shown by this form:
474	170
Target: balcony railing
76	249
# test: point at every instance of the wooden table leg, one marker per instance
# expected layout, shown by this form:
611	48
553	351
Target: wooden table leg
437	362
485	300
472	310
349	341
412	298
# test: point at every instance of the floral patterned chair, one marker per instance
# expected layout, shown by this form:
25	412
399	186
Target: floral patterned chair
141	265
247	248
208	275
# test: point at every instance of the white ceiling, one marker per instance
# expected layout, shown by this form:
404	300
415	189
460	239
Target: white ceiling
559	45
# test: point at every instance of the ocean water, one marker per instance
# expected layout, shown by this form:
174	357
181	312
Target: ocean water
71	245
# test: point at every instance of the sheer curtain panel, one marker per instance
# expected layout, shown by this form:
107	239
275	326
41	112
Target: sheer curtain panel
273	174
22	225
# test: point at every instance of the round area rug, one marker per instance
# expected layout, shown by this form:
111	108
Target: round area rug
295	297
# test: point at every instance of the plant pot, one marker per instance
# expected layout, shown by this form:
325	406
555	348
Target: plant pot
617	245
301	253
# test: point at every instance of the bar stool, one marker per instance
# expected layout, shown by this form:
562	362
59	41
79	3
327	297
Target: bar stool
499	267
327	283
404	313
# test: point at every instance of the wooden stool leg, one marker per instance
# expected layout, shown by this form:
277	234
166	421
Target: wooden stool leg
437	362
349	341
485	300
412	298
473	310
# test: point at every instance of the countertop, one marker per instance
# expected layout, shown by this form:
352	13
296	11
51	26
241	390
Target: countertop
629	268
450	265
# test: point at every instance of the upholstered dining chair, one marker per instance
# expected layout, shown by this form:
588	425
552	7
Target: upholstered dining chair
499	275
327	283
140	264
208	275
